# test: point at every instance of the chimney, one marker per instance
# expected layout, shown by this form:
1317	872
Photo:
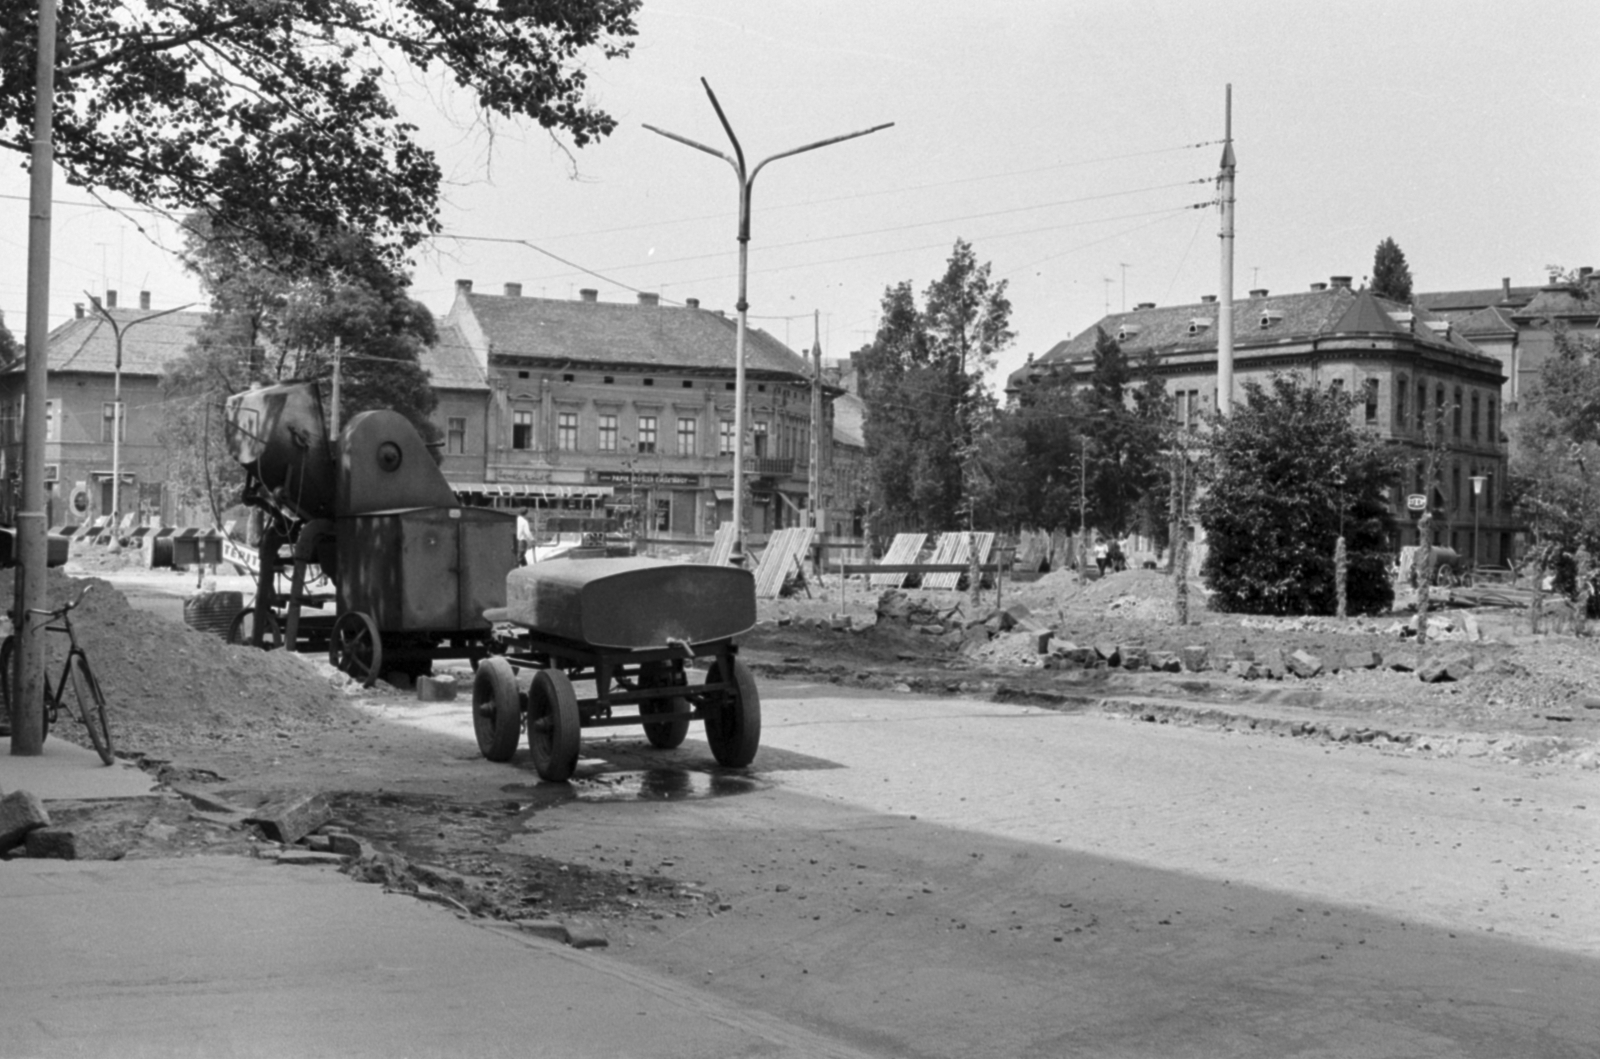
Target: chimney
1505	287
111	299
1340	282
94	300
1208	299
144	299
1319	286
588	294
513	290
77	310
1144	305
649	298
692	303
1259	292
463	286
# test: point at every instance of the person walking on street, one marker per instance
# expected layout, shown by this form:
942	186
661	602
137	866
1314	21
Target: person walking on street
1100	554
524	539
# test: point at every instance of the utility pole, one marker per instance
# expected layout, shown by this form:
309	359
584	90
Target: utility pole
814	501
1225	293
27	721
338	385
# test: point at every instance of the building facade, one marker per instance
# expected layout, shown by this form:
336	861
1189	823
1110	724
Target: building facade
1409	369
80	413
623	411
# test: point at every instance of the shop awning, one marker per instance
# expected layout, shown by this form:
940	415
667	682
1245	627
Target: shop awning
534	490
724	494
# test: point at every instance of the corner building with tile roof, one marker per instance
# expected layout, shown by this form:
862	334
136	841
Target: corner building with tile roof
621	408
1403	364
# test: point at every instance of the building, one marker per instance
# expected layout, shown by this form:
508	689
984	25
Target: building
622	410
849	486
1517	325
1405	364
79	412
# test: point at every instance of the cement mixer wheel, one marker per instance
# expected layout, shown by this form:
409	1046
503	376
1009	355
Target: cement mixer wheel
241	630
496	709
733	720
356	648
553	725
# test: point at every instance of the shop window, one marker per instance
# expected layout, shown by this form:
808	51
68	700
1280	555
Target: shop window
663	520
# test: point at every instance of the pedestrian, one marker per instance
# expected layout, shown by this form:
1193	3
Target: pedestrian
524	538
1116	557
1100	554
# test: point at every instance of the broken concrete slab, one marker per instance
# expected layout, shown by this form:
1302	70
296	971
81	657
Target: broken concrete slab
545	928
1196	658
1303	664
1446	668
291	818
436	689
20	813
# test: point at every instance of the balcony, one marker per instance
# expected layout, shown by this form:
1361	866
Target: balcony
772	466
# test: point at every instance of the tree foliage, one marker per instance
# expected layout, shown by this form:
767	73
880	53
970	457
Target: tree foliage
927	405
267	326
1391	276
9	349
1287	474
279	116
1555	466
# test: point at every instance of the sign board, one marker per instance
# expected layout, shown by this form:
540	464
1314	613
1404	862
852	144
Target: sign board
646	478
1416	502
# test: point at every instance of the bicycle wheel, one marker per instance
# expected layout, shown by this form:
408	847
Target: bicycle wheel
91	705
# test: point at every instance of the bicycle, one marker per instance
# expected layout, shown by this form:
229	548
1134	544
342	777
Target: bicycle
87	696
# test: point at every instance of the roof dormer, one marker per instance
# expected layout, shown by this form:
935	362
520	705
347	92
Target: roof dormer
1270	318
1200	324
1127	331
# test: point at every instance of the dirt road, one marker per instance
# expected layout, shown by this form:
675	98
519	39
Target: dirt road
943	876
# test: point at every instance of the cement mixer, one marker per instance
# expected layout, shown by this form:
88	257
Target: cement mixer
412	570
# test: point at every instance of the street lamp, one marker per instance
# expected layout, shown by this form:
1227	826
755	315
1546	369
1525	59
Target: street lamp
118	330
747	180
1477	481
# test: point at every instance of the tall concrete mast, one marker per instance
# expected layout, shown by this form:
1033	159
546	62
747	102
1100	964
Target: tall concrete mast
1225	292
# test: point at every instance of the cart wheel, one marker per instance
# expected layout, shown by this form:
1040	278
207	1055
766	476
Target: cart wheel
356	648
496	709
664	735
242	629
553	725
733	718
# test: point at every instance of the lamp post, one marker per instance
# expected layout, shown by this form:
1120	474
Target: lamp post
1477	481
1083	507
118	330
747	179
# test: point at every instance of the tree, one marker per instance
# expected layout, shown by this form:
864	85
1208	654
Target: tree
9	350
922	382
1126	426
279	116
1288	474
269	326
1391	276
1555	466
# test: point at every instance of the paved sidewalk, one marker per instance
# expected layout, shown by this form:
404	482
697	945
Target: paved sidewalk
68	772
214	956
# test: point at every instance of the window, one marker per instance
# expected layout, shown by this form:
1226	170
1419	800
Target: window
52	420
1422	405
1455	488
1438	406
686	435
1455	413
647	433
608	432
108	422
1474	417
1400	396
688	384
1494	439
760	442
455	435
725	438
522	430
567	431
1372	400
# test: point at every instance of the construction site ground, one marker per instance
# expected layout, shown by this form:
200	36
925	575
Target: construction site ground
228	730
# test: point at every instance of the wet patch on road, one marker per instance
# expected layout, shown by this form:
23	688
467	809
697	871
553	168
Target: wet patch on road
641	785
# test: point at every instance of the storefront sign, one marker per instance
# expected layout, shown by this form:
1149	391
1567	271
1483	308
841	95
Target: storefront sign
646	478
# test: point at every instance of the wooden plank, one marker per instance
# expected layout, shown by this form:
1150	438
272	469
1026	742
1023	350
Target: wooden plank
721	545
904	549
853	569
774	566
956	548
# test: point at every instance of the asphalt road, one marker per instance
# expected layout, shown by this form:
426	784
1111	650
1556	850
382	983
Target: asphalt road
948	877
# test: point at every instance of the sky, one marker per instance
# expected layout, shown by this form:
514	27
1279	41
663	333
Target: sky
1074	144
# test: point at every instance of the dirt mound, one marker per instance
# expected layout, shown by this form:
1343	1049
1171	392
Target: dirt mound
164	680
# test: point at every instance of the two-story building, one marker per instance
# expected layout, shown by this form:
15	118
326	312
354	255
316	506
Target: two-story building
1408	368
626	409
80	411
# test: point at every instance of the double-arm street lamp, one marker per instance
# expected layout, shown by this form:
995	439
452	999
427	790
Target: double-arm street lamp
118	330
747	179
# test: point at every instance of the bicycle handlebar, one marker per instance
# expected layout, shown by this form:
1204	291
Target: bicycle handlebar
61	611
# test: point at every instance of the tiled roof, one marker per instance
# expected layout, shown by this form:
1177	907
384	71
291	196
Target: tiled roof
1493	320
1562	300
88	343
1454	301
655	336
1292	317
451	363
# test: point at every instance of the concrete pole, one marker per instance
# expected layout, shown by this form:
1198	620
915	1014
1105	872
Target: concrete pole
27	721
1225	292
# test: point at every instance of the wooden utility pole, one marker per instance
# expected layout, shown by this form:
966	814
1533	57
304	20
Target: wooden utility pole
1225	293
27	723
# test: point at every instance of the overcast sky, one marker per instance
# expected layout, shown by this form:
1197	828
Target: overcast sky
1059	138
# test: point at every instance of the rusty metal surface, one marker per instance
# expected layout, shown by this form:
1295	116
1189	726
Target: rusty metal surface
631	603
384	465
427	569
278	434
